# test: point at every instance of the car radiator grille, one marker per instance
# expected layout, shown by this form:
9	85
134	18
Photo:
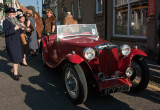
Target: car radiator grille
108	60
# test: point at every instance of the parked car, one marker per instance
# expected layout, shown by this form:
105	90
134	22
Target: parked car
87	60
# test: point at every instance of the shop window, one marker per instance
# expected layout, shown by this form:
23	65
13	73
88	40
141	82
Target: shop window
72	4
98	6
130	18
79	8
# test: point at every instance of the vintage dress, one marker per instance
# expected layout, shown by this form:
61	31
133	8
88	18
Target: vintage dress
49	23
13	42
33	44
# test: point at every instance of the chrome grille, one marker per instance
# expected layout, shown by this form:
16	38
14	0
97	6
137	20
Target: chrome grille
108	59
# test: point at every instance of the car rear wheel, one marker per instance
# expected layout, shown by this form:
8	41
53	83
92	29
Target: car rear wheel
140	77
75	83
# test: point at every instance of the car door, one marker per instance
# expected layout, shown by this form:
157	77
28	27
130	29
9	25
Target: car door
52	47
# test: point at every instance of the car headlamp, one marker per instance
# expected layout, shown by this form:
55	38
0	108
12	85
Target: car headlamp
89	53
125	49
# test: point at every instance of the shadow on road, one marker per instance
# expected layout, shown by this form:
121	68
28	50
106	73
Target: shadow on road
153	96
4	67
52	95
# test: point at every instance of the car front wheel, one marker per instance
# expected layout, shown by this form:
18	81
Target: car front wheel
140	77
75	83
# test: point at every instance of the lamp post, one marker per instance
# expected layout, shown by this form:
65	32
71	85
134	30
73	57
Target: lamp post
37	6
42	8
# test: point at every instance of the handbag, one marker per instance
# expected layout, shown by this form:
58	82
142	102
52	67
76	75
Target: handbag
23	38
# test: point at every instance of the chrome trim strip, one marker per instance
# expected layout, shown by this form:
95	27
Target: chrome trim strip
111	79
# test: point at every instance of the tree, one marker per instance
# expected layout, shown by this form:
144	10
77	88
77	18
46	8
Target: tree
31	8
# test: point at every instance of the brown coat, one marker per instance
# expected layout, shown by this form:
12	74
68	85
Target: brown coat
39	26
69	20
49	23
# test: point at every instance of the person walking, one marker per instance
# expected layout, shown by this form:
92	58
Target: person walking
69	19
13	42
33	44
39	27
50	22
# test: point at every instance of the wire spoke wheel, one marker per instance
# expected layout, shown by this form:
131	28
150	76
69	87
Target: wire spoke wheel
71	83
75	83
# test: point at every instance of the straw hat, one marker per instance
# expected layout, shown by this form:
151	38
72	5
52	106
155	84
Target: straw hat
30	12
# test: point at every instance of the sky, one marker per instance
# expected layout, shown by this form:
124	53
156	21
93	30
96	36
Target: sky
33	3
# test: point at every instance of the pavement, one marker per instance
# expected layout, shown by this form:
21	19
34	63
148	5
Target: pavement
154	70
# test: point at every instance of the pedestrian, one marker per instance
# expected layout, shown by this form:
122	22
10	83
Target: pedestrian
39	27
50	22
13	42
25	37
159	38
69	19
33	44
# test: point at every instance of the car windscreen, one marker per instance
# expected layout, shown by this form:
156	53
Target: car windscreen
76	30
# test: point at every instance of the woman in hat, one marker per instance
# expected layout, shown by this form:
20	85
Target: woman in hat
12	30
50	22
24	36
33	44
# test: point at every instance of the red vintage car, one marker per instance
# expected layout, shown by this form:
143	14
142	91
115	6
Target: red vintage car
88	60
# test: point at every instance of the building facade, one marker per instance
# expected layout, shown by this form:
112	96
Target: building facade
134	22
1	8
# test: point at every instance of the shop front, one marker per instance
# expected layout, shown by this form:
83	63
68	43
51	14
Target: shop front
133	22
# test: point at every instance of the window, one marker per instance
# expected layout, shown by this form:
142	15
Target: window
98	6
72	9
79	9
130	18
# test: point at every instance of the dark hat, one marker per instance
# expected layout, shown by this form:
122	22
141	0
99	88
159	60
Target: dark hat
20	10
10	10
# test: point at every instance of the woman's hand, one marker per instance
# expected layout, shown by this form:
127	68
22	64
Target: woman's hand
22	25
16	27
28	29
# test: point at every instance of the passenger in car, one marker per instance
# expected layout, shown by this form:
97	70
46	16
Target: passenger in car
69	19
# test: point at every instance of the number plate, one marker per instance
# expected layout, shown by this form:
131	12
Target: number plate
115	89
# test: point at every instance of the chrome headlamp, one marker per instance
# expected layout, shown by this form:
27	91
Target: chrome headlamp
89	53
125	49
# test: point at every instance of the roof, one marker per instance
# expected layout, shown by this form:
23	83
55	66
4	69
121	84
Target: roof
24	9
